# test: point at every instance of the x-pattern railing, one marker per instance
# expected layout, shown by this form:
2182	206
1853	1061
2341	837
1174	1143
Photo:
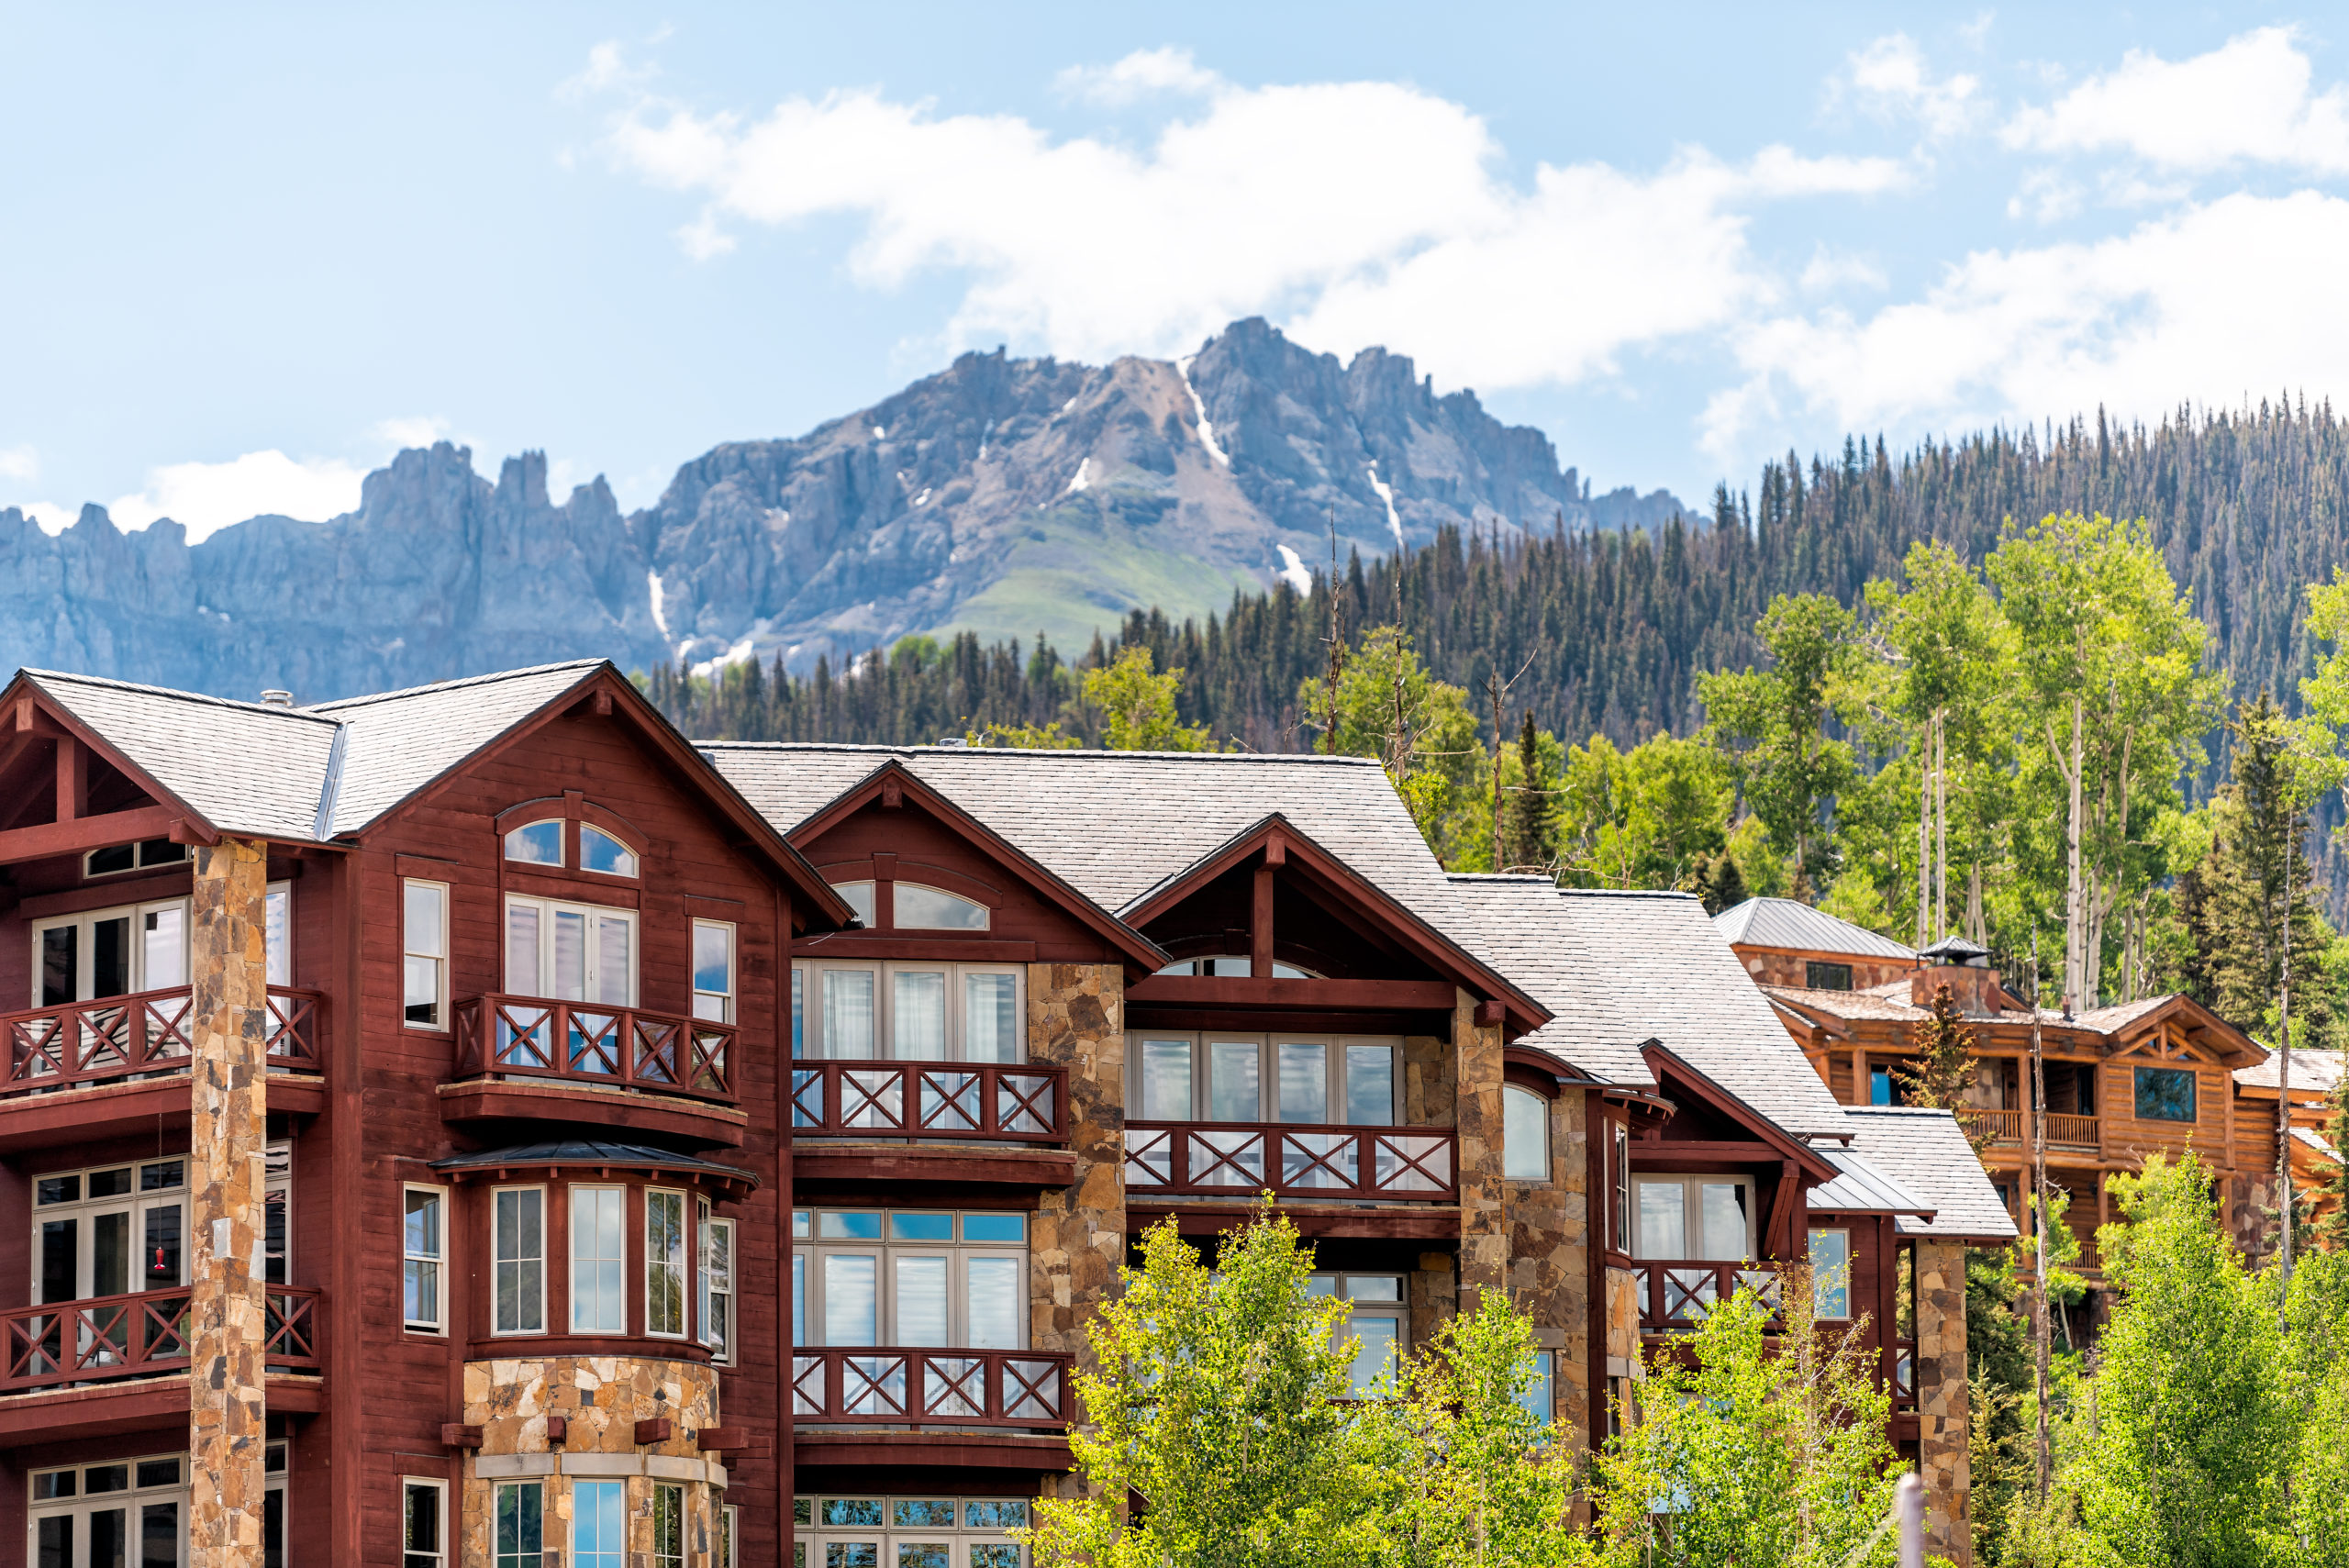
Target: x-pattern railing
1674	1296
1211	1158
888	1386
538	1036
137	1335
980	1100
146	1032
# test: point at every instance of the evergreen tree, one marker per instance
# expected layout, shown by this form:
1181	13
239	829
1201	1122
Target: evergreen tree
1944	1068
1528	825
1772	725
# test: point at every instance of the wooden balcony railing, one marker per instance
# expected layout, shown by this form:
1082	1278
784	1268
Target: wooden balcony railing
1674	1294
127	1037
2063	1130
534	1037
1012	1102
1221	1158
140	1335
933	1388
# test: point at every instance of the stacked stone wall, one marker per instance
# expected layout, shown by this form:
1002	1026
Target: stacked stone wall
1476	1080
1549	1256
1942	1413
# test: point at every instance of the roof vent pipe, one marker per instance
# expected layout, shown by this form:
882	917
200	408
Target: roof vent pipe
275	698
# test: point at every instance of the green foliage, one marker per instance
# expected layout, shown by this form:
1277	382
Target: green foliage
2316	1386
1641	819
1422	731
1137	707
1026	737
1771	723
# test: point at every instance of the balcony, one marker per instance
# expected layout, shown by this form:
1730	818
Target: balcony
539	1057
918	1120
88	1070
140	1335
1675	1294
1175	1159
2065	1131
913	1389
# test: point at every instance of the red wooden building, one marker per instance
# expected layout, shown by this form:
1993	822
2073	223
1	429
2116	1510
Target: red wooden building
474	1125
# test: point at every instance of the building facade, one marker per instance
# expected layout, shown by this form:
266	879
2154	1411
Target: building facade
474	1125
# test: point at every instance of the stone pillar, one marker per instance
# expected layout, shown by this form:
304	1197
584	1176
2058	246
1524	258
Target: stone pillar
1942	1398
1076	1019
228	1326
1476	1080
1549	1257
1427	1081
1623	1325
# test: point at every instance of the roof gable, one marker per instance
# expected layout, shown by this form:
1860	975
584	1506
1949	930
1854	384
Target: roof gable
1797	926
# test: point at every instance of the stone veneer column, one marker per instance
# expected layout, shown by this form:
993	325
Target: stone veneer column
1477	1105
1076	1019
228	1333
1942	1412
1549	1257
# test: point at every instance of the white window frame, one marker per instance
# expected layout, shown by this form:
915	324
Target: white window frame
1620	1188
808	981
277	914
409	1556
132	1500
679	1271
812	1247
1540	1397
1397	1311
1692	1185
1511	1169
277	1192
1202	1043
561	843
716	1287
438	958
675	1493
496	1497
547	909
715	1006
617	1264
730	1535
136	1204
812	1534
986	914
578	1518
85	922
437	1261
537	1191
138	861
1816	1290
635	872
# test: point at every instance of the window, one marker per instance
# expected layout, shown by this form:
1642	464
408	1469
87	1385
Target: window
1622	1237
1313	1079
1538	1398
664	1263
518	1259
1820	976
571	952
133	857
729	1536
276	1202
716	1283
277	933
910	1532
912	1277
1232	969
420	1255
1693	1217
857	896
118	1512
714	972
599	852
1378	1319
110	952
1525	1135
598	1524
907	1012
110	1231
1831	1274
2165	1094
425	947
272	1506
1881	1087
536	843
668	1526
934	910
424	1514
598	1261
517	1525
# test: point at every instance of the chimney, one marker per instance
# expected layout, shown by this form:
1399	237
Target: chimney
1965	969
275	698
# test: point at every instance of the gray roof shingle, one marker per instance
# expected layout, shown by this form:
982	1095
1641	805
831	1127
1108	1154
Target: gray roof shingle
1860	1187
1786	923
1532	933
1926	1152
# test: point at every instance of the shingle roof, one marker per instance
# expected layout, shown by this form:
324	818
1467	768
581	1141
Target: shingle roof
593	1152
2316	1070
1785	923
1926	1152
243	767
1650	966
1860	1188
1532	933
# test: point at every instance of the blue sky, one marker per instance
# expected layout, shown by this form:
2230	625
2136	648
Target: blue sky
249	252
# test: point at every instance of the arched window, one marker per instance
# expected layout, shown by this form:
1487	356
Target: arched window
858	896
599	852
537	843
1525	1135
933	909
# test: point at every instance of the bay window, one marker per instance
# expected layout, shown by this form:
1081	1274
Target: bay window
907	1012
929	1278
518	1259
716	1284
599	1260
1314	1080
664	1263
1696	1217
517	1522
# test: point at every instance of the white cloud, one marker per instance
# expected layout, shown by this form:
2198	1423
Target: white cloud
2044	197
1144	74
1831	270
53	520
2248	100
2137	323
1356	212
1888	78
19	462
207	497
413	430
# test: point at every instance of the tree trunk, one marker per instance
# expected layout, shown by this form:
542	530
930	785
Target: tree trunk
2076	892
1940	828
1924	839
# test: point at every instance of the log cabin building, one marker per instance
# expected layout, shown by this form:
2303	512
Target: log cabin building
475	1126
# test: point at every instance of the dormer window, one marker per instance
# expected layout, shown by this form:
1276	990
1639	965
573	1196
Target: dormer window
599	852
858	896
934	910
133	857
536	843
1234	969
